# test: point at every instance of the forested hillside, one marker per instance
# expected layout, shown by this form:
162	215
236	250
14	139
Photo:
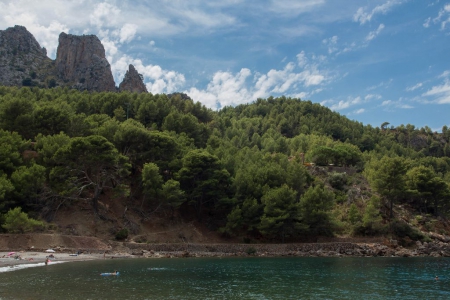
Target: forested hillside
278	169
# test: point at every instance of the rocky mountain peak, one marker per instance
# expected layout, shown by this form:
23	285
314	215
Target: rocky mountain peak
22	59
81	62
133	81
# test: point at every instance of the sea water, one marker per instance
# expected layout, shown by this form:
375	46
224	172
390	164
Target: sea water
233	278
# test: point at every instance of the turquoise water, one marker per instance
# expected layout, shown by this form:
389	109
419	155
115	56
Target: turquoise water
234	278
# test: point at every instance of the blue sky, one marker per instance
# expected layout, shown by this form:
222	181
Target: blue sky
373	61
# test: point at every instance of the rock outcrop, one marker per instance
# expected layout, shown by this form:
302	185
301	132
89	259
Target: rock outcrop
133	82
81	61
22	60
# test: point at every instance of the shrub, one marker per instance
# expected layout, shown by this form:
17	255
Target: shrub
27	82
402	230
338	180
353	214
122	234
17	221
250	251
52	83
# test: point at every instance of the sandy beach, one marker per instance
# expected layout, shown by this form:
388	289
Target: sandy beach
29	257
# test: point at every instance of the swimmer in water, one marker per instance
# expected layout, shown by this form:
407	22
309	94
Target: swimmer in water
436	278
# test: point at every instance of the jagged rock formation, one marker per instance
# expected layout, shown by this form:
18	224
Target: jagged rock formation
81	62
22	60
133	82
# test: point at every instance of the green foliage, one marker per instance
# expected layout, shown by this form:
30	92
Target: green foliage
51	118
172	195
16	115
48	145
224	164
402	230
51	83
28	183
164	194
281	216
251	251
338	180
235	221
122	234
17	221
11	146
388	177
315	207
353	214
204	180
87	166
6	187
428	190
342	154
372	220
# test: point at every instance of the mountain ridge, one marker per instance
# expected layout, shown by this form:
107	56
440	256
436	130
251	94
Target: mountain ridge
80	63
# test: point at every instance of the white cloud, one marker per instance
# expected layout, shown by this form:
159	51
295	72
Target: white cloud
362	16
227	89
349	48
127	32
302	60
350	102
384	84
443	17
208	99
371	96
445	74
46	35
156	78
206	19
110	48
294	7
301	95
391	105
414	87
104	13
375	33
427	22
331	44
439	93
115	19
346	104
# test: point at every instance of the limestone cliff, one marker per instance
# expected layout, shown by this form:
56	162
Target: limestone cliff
133	82
81	62
22	60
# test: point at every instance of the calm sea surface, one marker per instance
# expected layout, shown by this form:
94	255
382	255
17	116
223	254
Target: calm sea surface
233	278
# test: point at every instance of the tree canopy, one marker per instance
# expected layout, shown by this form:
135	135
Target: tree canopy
275	169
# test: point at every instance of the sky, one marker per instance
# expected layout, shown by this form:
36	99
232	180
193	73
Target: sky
373	61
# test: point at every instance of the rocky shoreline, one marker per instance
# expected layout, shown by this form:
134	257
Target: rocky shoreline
430	249
93	248
120	250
